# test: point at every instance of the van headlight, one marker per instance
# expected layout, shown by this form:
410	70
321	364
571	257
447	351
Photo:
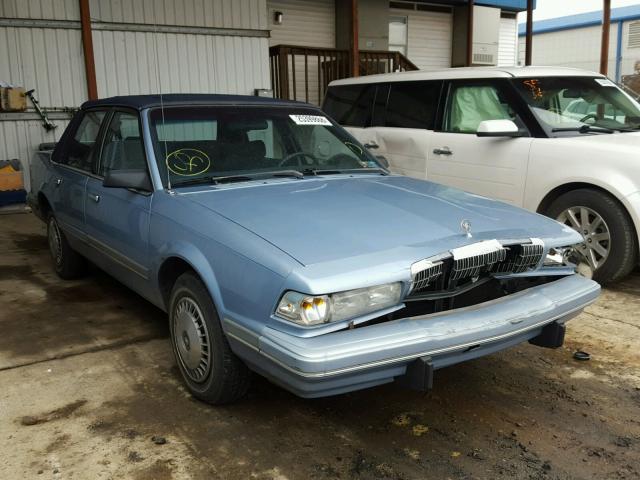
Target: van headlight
308	310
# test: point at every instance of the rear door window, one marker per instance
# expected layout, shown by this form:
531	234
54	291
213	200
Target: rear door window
350	105
80	150
413	104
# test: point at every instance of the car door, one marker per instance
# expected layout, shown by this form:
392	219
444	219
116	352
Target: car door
495	167
404	133
117	219
71	167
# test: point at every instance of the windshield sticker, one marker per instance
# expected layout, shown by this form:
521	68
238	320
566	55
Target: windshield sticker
534	88
310	120
188	162
605	82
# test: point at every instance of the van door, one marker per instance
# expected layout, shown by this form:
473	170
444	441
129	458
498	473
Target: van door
405	133
495	167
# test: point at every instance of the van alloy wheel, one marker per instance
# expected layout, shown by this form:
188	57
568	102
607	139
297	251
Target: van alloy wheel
191	339
594	230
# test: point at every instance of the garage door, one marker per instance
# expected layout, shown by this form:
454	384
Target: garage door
507	46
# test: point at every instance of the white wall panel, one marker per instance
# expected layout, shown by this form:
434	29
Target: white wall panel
126	63
629	55
308	23
49	60
40	9
244	14
508	42
429	43
20	139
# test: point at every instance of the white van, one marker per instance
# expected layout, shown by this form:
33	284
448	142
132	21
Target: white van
559	141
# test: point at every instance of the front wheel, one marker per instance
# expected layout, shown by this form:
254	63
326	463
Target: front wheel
610	245
210	370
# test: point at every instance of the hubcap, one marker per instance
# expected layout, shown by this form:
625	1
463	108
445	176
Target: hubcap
191	339
55	242
594	230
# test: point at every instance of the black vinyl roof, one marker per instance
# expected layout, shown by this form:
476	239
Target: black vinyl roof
140	102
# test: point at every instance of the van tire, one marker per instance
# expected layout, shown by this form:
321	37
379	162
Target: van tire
210	370
623	245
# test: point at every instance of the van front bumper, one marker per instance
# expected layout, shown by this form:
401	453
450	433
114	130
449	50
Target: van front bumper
350	360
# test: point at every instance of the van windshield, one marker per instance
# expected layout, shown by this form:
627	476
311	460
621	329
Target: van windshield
211	143
572	105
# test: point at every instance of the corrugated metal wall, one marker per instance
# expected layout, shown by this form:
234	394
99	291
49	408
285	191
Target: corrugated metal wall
201	46
508	42
429	42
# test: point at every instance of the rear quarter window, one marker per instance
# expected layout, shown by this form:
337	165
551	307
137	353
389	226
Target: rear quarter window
350	105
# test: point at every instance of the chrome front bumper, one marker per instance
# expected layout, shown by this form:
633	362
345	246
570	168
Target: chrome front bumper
353	359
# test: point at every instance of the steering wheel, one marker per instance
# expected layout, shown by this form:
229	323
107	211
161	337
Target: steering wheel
286	159
588	116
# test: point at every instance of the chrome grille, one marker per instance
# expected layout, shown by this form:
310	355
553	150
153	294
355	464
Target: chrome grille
469	267
524	257
424	273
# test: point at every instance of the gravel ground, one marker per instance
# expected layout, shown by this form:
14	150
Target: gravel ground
89	389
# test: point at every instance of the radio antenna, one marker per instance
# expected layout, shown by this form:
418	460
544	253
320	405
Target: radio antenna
159	80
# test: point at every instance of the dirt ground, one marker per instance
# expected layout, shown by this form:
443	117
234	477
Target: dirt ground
89	389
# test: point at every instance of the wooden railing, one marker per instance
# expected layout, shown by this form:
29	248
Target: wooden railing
303	73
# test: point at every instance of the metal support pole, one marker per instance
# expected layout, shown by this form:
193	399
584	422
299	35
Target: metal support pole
355	50
87	48
528	49
470	34
604	45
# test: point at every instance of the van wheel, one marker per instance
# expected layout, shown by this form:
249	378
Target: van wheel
610	247
210	370
67	263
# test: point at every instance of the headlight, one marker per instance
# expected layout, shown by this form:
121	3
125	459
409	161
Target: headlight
310	310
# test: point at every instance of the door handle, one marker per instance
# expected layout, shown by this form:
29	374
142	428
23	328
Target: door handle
442	151
371	145
95	198
58	182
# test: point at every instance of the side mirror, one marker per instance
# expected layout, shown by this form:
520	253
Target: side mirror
499	128
383	161
136	179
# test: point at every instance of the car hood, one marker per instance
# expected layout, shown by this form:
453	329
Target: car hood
325	219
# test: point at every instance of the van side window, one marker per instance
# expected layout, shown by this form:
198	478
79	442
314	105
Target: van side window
468	105
413	104
79	151
350	105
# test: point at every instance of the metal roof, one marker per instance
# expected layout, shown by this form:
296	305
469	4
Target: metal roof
469	73
581	20
140	102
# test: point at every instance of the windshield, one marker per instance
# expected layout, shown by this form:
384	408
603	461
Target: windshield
568	103
194	144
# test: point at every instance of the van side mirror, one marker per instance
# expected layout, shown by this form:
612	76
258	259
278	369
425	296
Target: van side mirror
137	179
499	128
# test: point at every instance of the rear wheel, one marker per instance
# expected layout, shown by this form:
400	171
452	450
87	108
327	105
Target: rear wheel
610	245
211	371
67	263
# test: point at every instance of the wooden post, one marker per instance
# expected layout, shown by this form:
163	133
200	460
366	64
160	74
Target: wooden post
528	49
604	45
470	34
283	68
355	50
87	48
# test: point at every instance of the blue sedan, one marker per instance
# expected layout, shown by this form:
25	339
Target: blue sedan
278	244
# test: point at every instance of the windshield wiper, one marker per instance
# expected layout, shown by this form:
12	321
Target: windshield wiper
334	171
245	177
583	129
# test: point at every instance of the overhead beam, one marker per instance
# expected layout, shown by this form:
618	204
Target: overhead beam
604	44
528	41
87	49
469	61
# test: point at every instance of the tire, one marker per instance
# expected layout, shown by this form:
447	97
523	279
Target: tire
210	370
622	246
67	263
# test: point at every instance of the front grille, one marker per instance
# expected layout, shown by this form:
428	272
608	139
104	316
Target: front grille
472	262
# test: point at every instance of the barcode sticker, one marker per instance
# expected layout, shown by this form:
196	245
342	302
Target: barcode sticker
310	120
605	82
